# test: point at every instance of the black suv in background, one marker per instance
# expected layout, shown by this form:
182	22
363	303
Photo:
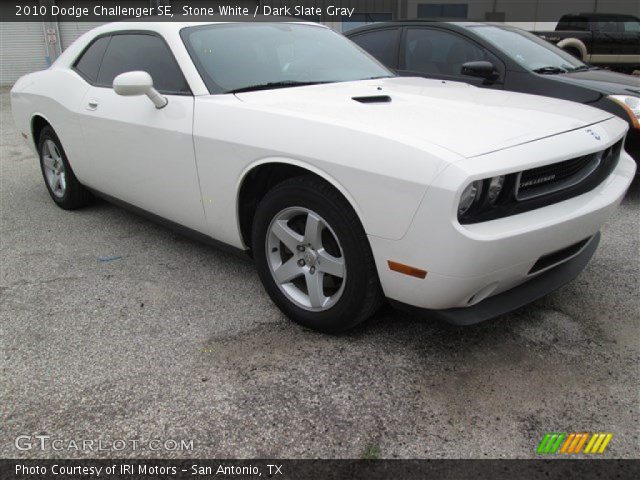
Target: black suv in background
605	39
501	57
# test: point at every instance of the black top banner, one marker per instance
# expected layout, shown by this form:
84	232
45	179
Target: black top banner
360	11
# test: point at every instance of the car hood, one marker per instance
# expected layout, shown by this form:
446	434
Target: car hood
602	81
466	120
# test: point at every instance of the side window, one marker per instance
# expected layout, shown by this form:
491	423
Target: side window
382	44
572	23
89	63
438	52
128	52
610	26
579	24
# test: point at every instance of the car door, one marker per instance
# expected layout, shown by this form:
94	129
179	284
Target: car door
607	37
140	154
438	53
382	43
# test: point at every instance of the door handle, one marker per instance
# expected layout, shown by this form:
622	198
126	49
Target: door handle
93	104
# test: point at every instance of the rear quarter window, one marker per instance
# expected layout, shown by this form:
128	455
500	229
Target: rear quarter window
88	64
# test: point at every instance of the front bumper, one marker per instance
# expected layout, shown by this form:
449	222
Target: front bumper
468	264
515	298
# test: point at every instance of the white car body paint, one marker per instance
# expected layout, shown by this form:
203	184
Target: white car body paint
402	165
498	254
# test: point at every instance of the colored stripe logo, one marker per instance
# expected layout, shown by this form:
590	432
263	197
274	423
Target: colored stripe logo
573	443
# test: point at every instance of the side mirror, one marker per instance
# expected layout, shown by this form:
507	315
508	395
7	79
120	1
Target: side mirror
133	84
481	69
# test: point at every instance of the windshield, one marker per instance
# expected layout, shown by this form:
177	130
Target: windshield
241	56
530	51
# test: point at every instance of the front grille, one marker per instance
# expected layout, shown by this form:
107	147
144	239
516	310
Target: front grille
559	256
558	176
540	181
542	186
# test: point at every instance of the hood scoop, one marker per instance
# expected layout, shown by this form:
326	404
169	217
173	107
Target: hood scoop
373	99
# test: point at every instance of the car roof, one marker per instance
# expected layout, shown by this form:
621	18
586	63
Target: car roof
599	15
164	27
161	24
401	23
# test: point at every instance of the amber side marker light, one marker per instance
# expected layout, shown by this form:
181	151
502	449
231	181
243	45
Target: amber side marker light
406	269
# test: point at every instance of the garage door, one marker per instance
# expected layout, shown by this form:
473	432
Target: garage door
69	31
22	50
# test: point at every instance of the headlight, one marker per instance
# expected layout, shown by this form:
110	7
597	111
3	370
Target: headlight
469	196
631	105
495	187
536	187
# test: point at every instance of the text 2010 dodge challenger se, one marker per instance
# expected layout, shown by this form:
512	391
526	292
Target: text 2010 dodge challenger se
346	184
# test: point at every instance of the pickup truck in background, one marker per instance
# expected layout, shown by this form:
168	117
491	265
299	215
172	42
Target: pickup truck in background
603	39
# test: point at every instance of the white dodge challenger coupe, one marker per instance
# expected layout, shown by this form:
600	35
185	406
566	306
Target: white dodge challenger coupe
345	183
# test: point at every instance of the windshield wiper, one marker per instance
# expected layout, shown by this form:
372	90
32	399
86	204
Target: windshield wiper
549	70
270	85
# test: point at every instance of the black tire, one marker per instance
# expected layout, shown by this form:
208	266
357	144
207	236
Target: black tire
75	195
362	294
573	52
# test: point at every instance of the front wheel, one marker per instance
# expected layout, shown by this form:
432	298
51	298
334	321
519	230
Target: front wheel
313	256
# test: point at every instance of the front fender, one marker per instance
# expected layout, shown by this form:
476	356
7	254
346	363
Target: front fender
383	179
300	164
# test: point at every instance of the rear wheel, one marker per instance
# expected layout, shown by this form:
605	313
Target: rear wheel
313	256
62	184
573	52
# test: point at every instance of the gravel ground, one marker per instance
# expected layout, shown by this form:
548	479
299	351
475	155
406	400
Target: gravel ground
178	341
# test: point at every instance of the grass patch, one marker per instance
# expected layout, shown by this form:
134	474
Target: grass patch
371	452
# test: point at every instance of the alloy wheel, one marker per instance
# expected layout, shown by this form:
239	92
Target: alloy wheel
306	259
54	168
